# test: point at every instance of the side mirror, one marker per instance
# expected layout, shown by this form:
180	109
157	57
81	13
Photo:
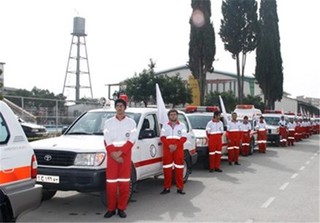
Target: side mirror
64	129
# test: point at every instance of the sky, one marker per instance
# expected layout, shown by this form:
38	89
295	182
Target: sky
122	37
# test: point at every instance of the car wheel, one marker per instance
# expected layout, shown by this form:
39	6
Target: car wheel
132	187
187	166
252	144
47	194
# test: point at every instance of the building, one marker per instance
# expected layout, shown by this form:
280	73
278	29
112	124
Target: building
218	81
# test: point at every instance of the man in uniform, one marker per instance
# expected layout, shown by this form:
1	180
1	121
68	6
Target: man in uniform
173	136
120	133
246	130
261	127
234	138
291	129
283	131
214	130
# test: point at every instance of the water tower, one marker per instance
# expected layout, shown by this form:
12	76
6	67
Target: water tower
78	63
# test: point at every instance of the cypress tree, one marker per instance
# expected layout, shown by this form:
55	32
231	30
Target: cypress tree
268	55
238	31
202	48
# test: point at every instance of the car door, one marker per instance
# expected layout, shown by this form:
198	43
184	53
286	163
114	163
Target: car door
148	149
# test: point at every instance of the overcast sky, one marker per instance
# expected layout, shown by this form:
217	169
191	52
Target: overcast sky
123	35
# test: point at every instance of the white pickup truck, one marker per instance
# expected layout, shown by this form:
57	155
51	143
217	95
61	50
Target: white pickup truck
18	169
76	160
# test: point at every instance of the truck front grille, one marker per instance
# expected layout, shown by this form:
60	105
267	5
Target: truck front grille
55	158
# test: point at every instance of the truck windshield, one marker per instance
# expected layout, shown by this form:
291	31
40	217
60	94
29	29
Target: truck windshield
199	121
272	120
92	123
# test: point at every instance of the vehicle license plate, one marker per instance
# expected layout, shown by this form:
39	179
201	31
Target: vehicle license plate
48	179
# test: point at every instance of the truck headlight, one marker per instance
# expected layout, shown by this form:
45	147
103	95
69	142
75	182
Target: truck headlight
89	159
201	142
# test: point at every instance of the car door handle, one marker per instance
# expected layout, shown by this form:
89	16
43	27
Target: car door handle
8	170
159	143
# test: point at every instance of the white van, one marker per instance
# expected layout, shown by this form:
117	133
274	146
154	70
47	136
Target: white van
18	169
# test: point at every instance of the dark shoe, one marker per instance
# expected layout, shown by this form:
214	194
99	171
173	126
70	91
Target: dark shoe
122	214
236	163
180	191
165	191
218	170
211	170
230	163
109	214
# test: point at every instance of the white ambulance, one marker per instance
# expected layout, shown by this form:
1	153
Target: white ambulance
199	116
18	169
76	160
272	118
253	115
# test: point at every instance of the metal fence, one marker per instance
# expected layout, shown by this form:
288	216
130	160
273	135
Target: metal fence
52	113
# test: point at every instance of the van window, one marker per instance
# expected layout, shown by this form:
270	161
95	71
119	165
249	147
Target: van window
183	119
4	132
149	122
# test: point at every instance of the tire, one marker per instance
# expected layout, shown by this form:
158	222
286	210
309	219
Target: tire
252	144
132	187
187	166
277	141
47	194
6	214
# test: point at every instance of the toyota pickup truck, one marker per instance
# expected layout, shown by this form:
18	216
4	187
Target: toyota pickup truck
76	160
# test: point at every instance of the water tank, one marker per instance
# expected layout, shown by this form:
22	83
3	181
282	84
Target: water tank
79	26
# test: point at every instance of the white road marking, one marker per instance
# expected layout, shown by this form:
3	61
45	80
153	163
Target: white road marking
294	176
308	162
302	168
267	203
311	157
283	187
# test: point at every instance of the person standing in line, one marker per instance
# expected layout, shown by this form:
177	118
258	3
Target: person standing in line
246	130
291	129
283	132
261	127
214	130
120	134
173	136
234	139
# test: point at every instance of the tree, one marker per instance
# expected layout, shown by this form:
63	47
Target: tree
174	91
254	100
229	100
141	87
268	58
202	48
238	31
33	98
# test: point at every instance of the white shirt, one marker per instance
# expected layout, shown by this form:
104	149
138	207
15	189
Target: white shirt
245	127
177	131
262	125
234	126
291	126
214	127
118	132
